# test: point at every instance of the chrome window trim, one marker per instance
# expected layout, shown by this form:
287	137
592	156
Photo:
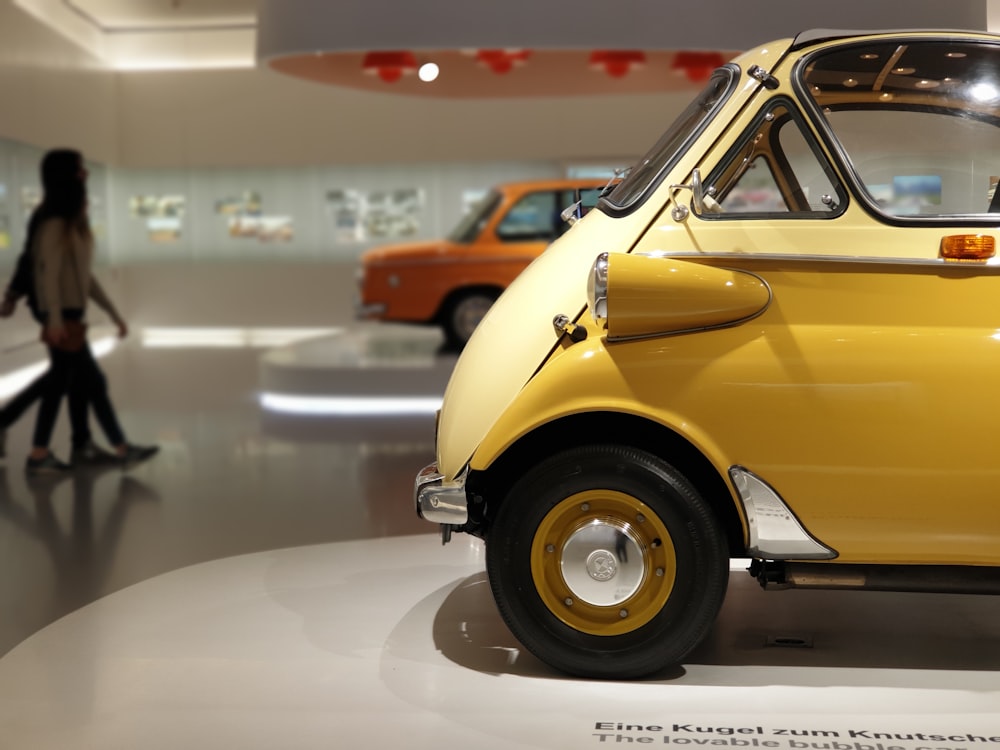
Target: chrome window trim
992	264
775	533
799	119
614	209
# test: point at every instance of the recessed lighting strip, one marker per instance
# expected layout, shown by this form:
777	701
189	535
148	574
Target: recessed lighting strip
351	406
228	338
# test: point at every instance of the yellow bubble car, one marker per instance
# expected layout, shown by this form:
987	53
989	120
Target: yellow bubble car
777	338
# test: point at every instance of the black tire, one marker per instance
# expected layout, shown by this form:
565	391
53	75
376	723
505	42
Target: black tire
463	314
606	562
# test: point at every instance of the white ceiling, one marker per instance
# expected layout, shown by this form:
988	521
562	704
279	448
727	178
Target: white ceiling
136	15
190	34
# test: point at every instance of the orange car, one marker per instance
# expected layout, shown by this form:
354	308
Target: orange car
452	282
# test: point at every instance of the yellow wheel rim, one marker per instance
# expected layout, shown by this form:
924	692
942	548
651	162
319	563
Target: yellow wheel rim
603	562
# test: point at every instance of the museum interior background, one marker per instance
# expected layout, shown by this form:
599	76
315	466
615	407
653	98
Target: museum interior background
186	131
265	582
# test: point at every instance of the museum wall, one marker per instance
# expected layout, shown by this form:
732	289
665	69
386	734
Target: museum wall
52	91
209	136
260	118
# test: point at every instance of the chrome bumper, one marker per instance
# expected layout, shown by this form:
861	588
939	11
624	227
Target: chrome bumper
371	311
439	501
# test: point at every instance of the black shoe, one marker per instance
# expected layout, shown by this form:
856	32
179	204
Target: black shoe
136	454
47	465
91	454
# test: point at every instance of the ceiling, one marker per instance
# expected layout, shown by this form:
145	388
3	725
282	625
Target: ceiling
145	15
325	41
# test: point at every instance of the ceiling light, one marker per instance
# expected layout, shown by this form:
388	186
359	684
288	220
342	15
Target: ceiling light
428	72
904	71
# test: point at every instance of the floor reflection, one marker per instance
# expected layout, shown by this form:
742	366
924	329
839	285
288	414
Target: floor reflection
79	537
230	479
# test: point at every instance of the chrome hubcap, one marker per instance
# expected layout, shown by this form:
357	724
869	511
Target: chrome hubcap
602	562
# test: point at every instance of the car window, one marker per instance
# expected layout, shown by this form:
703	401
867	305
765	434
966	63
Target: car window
534	216
472	223
645	175
933	171
585	199
917	122
775	169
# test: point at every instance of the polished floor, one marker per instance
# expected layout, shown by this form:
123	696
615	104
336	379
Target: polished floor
265	583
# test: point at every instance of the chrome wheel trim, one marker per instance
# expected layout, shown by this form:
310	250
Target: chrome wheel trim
563	552
602	562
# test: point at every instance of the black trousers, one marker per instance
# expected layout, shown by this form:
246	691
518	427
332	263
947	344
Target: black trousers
15	408
77	374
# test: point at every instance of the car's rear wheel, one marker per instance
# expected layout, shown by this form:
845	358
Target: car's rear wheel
463	314
605	562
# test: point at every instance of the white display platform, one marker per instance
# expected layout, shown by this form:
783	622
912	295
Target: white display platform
396	642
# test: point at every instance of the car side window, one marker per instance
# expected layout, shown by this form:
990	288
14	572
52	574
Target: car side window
775	170
915	121
534	217
946	165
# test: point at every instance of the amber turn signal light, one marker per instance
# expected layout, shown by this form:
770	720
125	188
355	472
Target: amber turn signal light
968	247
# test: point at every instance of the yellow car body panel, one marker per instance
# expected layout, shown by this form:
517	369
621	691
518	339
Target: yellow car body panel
495	355
504	362
747	394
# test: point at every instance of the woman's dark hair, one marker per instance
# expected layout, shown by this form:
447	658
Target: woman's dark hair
62	180
60	165
65	191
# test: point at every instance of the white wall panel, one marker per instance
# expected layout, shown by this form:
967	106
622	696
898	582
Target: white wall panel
54	93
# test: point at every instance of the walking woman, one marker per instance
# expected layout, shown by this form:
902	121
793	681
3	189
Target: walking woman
62	247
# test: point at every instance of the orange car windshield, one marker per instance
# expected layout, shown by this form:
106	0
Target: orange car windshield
475	219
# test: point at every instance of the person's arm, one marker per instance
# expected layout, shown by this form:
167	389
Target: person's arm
50	250
10	298
103	301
